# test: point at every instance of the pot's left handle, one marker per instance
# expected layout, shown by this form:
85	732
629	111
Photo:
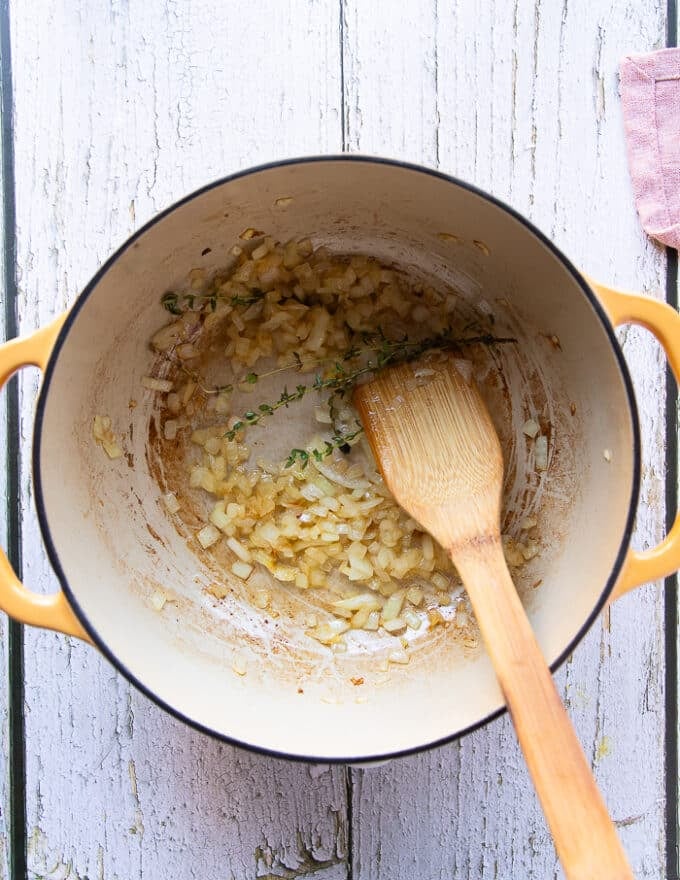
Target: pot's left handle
48	611
663	321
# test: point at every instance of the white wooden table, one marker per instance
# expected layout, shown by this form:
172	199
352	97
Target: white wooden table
122	106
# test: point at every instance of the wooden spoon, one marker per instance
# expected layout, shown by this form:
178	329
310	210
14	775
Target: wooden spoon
441	458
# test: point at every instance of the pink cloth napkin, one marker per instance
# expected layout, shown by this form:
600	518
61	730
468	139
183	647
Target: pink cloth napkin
650	91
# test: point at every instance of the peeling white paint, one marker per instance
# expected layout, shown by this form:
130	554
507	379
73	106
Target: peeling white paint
122	108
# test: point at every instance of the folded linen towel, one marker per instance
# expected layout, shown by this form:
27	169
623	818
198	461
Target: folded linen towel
650	92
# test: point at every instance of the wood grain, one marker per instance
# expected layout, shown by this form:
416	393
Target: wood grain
526	100
123	107
120	109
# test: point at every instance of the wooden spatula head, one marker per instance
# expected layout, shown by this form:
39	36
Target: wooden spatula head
436	445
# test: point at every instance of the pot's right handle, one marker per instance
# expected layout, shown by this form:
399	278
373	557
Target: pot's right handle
49	611
664	322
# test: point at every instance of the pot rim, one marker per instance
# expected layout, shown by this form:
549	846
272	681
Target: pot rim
62	337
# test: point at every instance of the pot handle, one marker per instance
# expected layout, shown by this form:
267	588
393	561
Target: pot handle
664	322
49	611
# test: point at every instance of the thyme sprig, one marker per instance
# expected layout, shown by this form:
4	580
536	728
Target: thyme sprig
338	441
341	379
171	300
252	417
387	353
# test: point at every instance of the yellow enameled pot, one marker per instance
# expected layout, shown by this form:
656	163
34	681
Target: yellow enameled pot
110	541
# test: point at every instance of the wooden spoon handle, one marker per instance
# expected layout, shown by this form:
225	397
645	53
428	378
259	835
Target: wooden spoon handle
585	838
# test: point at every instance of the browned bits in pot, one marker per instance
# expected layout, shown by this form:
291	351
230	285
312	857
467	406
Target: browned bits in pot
249	233
435	618
104	436
554	341
219	591
449	237
307	324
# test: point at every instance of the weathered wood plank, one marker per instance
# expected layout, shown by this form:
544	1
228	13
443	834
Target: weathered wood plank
131	109
522	99
5	747
4	757
4	647
4	628
673	759
121	108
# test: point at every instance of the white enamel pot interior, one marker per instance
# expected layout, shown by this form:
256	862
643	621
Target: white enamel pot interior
112	543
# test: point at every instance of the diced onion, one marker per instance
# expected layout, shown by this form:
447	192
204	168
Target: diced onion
362	600
513	552
529	550
438	581
167	337
186	351
322	415
392	607
262	598
238	549
158	600
103	434
222	404
399	656
242	570
464	368
171	503
428	546
157	384
173	402
415	595
188	393
531	428
334	473
260	251
373	621
112	449
412	620
359	569
219	518
219	591
541	453
208	536
329	632
239	665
